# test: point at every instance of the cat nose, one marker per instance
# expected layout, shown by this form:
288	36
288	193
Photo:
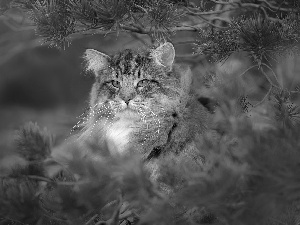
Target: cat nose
127	101
126	98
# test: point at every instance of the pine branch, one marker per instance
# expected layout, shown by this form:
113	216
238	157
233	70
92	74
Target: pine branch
34	143
153	18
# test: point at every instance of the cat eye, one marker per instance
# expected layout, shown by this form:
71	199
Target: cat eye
142	83
115	83
146	84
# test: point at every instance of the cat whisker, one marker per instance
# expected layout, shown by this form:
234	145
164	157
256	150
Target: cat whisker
89	120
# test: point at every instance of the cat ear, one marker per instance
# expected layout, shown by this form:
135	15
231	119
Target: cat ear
96	61
164	55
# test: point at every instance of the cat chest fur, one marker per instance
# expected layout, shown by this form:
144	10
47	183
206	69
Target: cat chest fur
119	133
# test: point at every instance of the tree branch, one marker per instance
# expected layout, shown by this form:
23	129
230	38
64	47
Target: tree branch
125	28
265	97
274	8
190	12
91	220
223	3
249	68
274	74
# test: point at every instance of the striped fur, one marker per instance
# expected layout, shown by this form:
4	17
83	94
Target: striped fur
137	99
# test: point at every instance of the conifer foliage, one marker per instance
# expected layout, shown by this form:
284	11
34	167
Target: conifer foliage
239	174
58	20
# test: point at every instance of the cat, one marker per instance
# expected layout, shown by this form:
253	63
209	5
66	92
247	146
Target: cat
142	101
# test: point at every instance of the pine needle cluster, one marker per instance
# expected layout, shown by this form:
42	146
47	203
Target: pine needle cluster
56	20
99	14
163	16
287	113
261	38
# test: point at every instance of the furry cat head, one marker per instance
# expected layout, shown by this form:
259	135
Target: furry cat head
133	80
139	88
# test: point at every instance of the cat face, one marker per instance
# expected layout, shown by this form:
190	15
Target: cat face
138	82
135	97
